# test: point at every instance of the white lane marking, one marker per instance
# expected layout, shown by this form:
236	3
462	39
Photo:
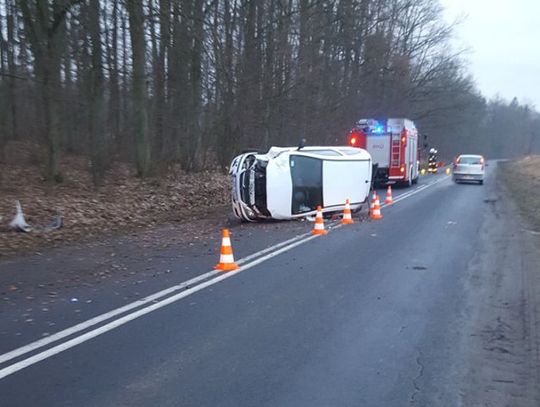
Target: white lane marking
270	248
418	190
139	313
298	240
408	194
100	318
128	307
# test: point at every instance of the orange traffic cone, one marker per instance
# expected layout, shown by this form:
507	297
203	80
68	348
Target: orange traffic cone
376	210
226	259
389	200
347	217
373	199
318	228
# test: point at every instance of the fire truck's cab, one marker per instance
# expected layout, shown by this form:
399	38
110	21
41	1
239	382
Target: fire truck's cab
394	148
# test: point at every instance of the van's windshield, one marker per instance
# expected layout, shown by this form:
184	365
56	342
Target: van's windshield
306	174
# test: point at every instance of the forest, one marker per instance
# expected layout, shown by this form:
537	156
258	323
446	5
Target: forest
155	83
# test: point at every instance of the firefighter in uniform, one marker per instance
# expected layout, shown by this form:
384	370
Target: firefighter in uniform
432	161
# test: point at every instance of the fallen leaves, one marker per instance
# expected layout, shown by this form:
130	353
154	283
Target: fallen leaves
123	203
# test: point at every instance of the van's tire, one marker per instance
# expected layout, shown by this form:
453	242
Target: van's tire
481	182
415	181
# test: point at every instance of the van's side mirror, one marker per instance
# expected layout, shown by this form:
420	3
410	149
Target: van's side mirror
302	144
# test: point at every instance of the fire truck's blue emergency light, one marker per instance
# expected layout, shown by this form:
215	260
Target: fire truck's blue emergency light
378	129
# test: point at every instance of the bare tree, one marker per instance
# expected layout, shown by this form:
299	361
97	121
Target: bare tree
42	21
219	76
136	31
96	96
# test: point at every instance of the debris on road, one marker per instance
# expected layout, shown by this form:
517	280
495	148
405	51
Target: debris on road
19	223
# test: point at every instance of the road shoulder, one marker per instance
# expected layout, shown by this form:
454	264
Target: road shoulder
501	338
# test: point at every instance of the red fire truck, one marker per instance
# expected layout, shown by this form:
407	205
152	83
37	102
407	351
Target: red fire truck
394	148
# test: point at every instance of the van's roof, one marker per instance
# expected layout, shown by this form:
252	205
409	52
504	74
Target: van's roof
344	150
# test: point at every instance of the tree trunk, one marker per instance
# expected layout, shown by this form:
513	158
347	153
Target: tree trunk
136	30
11	21
3	139
96	98
195	161
160	91
42	21
114	85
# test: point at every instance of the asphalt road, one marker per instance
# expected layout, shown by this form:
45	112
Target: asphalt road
432	306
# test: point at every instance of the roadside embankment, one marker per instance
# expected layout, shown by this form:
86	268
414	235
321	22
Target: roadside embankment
522	178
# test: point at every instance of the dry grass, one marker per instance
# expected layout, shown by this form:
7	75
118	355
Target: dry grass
522	177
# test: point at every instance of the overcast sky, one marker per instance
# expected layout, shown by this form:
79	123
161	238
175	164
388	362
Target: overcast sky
504	41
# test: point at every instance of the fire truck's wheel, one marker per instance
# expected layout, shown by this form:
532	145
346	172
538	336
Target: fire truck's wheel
409	182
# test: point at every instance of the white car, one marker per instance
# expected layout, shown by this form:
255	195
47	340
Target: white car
469	167
290	182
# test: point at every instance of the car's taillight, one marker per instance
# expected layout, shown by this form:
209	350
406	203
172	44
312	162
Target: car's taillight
402	169
482	162
353	141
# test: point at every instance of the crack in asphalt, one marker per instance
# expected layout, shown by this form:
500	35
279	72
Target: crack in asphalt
415	380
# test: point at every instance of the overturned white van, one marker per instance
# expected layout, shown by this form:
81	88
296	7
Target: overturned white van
290	182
